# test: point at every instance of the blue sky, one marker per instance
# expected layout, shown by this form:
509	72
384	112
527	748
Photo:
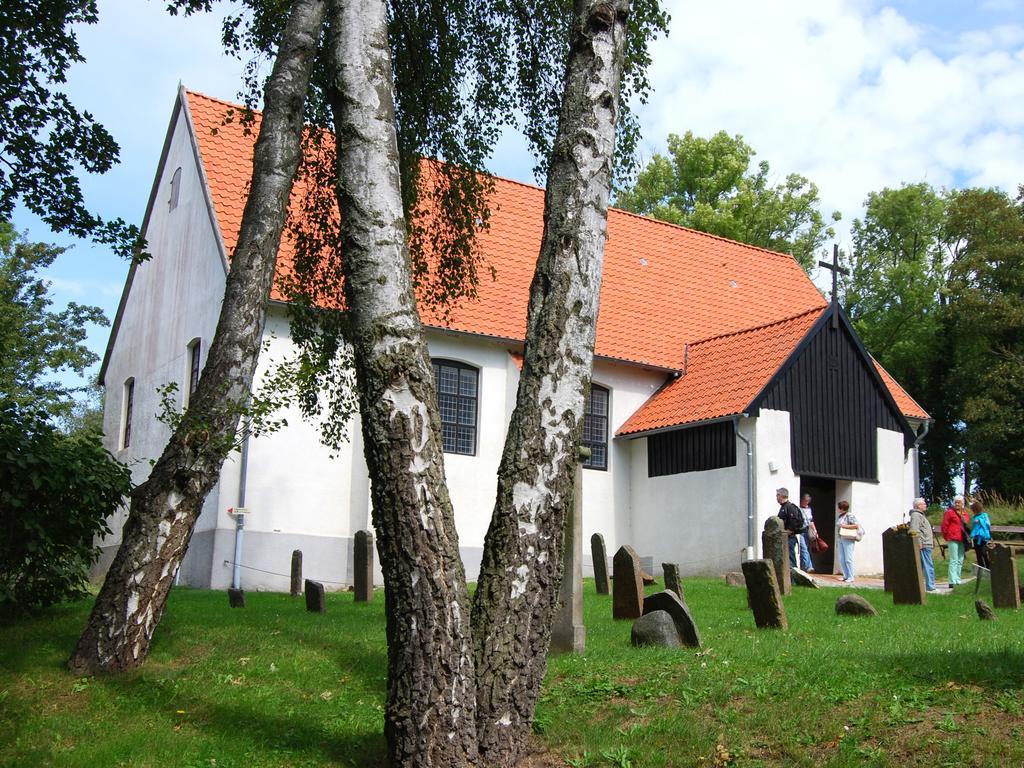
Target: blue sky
855	94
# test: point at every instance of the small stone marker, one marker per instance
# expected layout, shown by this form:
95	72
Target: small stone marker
236	598
600	556
655	629
316	600
627	589
1005	582
670	603
802	578
775	547
735	579
984	612
672	580
854	605
907	574
568	633
763	595
363	559
296	582
887	562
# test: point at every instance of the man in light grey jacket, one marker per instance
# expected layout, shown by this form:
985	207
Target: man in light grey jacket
925	539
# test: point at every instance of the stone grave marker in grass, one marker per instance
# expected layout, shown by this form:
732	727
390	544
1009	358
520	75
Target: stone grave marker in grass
627	587
600	557
363	559
316	600
775	547
887	564
670	603
568	633
236	598
295	586
802	578
907	574
1005	581
672	580
655	629
763	595
854	605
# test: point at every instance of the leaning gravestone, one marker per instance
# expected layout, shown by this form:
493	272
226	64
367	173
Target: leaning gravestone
985	613
568	633
236	598
600	556
775	547
907	574
670	603
854	605
672	581
887	562
802	578
655	629
363	559
1005	582
296	579
316	600
627	589
763	595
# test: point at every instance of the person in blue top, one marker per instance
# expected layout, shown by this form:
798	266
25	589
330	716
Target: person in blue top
981	533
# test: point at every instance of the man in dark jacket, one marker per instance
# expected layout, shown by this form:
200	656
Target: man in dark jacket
792	520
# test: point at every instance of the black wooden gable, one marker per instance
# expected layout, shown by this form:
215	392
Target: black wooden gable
836	401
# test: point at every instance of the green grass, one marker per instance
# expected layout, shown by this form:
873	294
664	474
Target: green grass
271	685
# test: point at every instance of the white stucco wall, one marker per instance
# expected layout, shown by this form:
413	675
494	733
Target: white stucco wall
773	467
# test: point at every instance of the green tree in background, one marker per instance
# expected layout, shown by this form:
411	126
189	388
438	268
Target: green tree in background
708	185
38	343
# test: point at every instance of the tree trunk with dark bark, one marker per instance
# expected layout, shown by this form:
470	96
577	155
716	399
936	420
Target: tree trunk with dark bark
165	507
517	592
430	710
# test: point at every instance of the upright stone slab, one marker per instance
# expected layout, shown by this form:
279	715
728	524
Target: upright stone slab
763	595
627	588
316	600
669	602
887	563
907	574
568	633
296	582
600	556
363	559
236	598
775	547
1005	581
672	580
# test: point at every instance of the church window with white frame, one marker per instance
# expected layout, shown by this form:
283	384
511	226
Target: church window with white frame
595	427
194	368
457	398
129	406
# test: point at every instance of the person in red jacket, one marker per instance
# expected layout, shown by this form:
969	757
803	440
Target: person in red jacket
956	526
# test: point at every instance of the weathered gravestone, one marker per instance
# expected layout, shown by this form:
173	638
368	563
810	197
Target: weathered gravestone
907	574
763	594
854	605
672	581
735	579
236	598
295	587
568	633
655	629
887	562
985	613
627	588
775	547
600	557
802	578
316	600
670	603
1005	582
363	559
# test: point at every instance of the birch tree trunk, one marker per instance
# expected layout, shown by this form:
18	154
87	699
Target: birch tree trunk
430	710
164	508
521	571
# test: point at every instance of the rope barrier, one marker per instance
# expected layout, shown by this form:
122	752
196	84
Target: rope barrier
282	575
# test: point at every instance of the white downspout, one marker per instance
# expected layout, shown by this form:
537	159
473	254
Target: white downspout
239	513
750	552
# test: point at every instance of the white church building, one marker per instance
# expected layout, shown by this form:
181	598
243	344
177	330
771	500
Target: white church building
720	374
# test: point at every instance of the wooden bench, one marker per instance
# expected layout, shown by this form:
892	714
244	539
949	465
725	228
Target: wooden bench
1009	530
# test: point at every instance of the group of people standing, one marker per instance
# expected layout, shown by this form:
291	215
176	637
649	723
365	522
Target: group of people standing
959	528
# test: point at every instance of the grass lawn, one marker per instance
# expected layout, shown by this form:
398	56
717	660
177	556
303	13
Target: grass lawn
271	685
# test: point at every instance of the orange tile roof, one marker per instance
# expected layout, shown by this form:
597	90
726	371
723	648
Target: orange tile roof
664	286
907	405
723	375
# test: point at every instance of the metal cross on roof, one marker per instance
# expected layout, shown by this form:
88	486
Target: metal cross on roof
836	270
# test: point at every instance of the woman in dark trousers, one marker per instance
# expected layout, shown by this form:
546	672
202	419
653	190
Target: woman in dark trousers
981	533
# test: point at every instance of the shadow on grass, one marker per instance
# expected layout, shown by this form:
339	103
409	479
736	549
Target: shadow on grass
991	670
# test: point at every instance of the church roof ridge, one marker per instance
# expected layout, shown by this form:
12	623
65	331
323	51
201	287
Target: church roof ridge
763	326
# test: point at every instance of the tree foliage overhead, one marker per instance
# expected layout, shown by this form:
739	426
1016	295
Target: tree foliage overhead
44	137
38	343
708	185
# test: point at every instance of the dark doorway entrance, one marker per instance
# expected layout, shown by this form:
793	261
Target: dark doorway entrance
823	507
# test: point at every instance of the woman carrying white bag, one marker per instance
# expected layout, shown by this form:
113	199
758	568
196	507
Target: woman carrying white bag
850	532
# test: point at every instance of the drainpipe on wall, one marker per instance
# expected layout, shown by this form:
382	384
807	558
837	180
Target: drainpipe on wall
750	552
240	510
917	458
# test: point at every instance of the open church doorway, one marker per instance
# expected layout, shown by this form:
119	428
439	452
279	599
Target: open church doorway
823	507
